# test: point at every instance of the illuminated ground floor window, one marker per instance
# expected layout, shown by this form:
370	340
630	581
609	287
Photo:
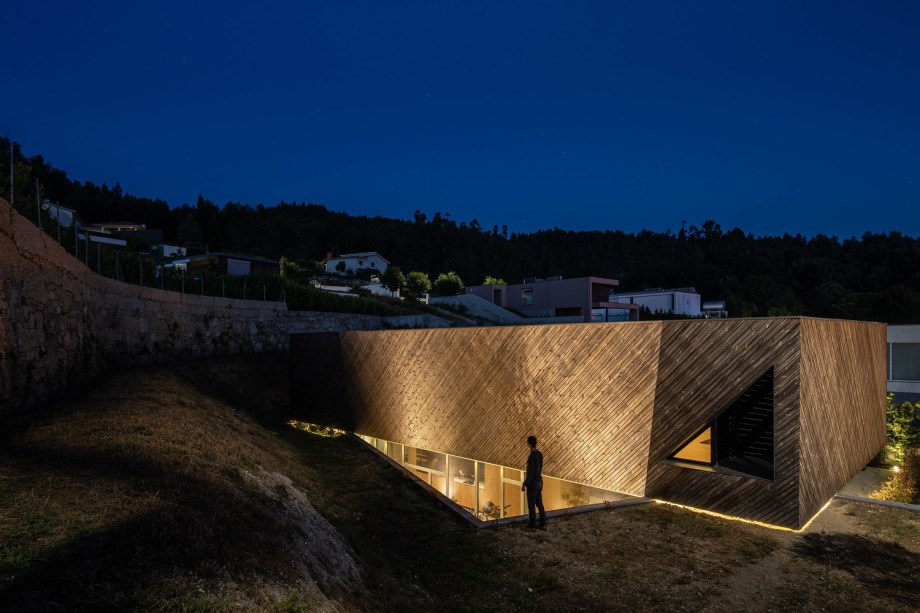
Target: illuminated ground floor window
487	491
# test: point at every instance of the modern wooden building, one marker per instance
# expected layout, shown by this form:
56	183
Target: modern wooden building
763	419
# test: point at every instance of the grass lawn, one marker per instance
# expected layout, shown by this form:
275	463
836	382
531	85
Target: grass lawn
181	488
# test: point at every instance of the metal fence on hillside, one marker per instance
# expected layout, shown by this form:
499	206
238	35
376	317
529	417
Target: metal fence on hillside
133	262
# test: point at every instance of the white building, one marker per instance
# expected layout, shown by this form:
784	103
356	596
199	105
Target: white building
168	251
904	362
61	214
680	301
355	261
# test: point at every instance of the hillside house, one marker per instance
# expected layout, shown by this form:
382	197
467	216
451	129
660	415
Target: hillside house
585	297
223	263
679	301
903	353
125	230
62	215
354	262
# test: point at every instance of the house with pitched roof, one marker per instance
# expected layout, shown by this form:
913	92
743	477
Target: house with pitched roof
350	263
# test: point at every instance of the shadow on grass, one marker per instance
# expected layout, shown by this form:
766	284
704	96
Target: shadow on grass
213	530
196	529
115	569
885	568
212	527
255	384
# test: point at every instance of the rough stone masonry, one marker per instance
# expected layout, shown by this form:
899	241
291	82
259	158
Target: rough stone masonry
62	325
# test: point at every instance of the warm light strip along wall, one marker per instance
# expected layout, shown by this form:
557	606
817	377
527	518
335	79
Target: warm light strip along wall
334	432
748	521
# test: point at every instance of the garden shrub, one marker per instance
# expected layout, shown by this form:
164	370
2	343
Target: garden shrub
298	295
903	427
301	297
904	486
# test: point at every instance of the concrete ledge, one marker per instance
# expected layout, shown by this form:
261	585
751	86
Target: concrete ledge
884	503
417	321
588	508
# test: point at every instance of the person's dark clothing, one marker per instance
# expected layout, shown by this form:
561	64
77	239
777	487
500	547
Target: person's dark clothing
534	468
533	483
535	502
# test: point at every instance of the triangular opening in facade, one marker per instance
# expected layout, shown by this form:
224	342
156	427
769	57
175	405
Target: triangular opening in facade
740	438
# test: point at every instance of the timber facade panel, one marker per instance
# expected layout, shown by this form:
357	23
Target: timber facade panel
612	402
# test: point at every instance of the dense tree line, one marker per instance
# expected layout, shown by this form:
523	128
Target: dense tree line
875	276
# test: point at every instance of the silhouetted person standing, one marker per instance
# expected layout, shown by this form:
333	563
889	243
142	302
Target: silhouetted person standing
533	483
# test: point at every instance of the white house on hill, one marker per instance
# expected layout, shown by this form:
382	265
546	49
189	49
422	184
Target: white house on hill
355	261
680	301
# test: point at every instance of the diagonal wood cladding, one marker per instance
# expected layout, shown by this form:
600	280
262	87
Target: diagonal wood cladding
704	366
611	402
478	393
843	405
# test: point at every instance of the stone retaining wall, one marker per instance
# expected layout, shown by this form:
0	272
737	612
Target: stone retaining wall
62	324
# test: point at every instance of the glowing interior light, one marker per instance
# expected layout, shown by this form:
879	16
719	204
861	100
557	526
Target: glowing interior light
896	469
316	429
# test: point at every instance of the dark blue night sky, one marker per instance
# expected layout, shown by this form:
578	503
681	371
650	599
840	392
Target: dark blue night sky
771	116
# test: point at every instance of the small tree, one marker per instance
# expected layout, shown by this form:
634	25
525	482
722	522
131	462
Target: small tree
340	267
393	279
366	273
448	284
290	269
417	283
359	290
494	281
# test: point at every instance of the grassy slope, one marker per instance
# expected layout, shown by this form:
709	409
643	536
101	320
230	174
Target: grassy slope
178	488
141	494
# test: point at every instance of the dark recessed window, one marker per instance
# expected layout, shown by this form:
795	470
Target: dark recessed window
905	361
740	438
527	296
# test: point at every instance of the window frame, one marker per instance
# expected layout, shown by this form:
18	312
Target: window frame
526	296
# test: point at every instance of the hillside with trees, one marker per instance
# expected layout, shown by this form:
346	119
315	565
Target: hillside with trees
875	276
